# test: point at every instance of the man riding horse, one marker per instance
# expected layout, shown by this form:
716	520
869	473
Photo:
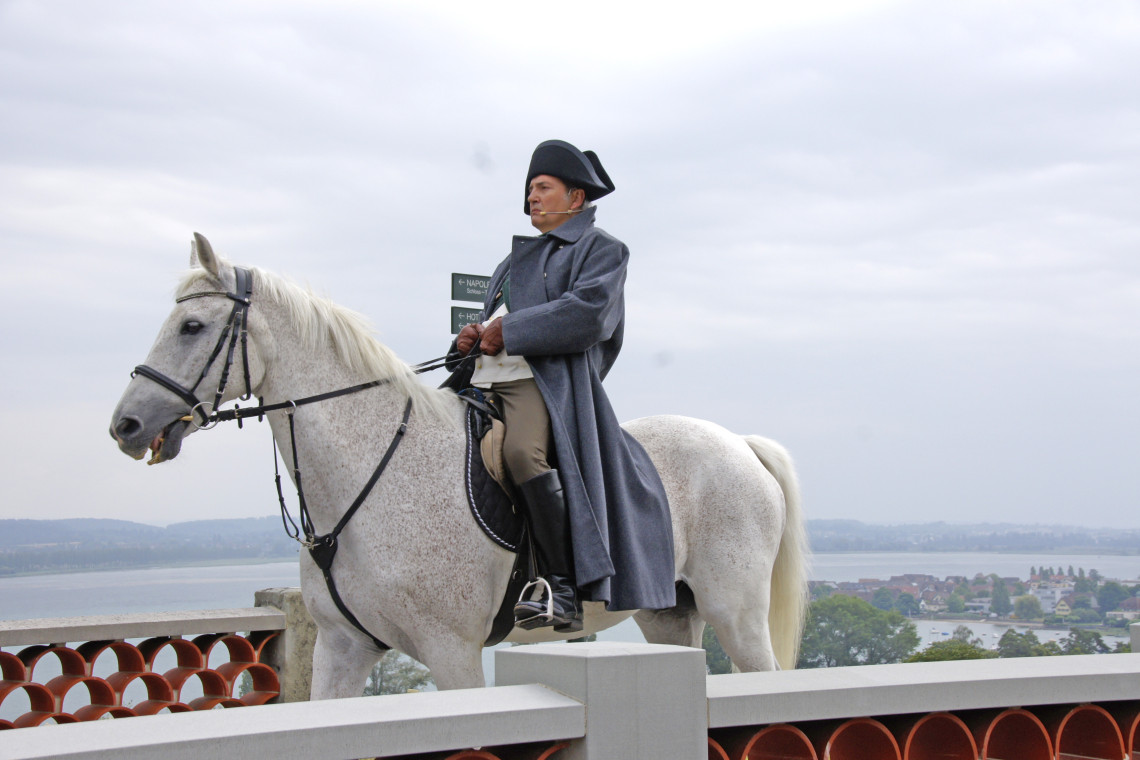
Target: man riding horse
554	318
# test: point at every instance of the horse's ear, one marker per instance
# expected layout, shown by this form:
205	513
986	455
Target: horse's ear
202	254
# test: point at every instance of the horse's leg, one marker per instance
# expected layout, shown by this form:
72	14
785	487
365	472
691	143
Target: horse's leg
680	625
731	580
736	605
455	662
341	665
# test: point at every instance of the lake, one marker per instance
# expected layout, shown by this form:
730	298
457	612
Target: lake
184	588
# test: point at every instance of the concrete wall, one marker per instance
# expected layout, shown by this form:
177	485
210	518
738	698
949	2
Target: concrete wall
609	701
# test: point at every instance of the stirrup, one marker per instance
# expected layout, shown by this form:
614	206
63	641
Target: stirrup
538	619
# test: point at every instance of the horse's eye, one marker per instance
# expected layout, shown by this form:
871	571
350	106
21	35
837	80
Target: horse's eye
191	327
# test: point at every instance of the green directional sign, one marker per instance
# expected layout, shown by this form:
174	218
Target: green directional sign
469	287
462	315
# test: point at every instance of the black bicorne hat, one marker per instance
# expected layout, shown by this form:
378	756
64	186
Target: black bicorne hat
576	168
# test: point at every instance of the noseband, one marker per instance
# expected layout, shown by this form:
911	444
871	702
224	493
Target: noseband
239	318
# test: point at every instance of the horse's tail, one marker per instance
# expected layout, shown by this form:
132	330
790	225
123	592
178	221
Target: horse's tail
789	598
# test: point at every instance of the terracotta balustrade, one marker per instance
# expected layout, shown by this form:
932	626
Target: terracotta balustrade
61	683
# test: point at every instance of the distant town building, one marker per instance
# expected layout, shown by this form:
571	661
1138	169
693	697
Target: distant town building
1050	593
1129	609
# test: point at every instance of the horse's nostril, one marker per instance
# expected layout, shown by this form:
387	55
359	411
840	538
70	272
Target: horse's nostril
127	426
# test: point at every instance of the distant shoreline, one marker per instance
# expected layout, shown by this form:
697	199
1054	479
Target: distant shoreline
1035	625
1031	554
992	621
1076	552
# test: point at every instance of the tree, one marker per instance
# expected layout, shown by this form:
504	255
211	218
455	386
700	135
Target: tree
956	603
1032	571
716	661
1085	615
844	630
1028	607
1014	644
1000	602
954	649
883	599
907	605
1110	595
397	673
1084	642
965	634
821	591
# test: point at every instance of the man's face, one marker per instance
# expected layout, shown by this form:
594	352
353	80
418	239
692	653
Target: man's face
548	194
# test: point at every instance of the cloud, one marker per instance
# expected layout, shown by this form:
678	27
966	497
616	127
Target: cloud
897	236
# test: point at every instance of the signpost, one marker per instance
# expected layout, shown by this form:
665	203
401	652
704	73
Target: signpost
461	316
471	288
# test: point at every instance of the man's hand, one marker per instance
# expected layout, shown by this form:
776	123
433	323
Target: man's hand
492	340
468	337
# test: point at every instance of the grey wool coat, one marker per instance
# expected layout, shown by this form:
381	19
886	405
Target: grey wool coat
567	317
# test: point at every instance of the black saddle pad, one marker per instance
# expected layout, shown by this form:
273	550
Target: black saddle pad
489	503
491	507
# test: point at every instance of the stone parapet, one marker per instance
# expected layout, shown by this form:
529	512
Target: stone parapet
922	687
143	625
383	726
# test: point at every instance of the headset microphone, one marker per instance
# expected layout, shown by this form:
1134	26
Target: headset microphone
571	211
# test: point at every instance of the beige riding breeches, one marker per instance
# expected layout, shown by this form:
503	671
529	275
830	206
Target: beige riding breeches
527	440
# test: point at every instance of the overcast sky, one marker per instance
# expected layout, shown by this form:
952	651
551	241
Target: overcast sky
901	238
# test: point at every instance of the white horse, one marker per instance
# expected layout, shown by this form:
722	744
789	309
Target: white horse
412	565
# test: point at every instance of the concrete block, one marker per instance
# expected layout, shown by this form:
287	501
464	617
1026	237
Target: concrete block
291	654
643	701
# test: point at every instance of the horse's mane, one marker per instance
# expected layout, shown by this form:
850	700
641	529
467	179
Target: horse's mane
322	323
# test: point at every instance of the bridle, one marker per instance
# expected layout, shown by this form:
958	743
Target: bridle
235	329
322	548
237	325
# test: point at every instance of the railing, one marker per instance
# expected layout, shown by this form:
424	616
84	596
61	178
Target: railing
93	677
1040	708
608	700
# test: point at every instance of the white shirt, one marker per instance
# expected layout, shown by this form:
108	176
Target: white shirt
502	367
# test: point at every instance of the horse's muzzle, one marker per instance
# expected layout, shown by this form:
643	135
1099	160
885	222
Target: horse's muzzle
125	428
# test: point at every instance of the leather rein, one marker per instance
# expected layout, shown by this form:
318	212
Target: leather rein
322	548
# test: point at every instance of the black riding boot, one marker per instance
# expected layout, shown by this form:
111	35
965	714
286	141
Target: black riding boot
549	526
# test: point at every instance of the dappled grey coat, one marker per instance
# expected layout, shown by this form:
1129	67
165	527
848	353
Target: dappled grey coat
567	317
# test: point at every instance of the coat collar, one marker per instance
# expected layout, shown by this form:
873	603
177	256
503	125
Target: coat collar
575	227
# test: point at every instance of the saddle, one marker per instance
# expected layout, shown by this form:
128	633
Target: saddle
487	490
